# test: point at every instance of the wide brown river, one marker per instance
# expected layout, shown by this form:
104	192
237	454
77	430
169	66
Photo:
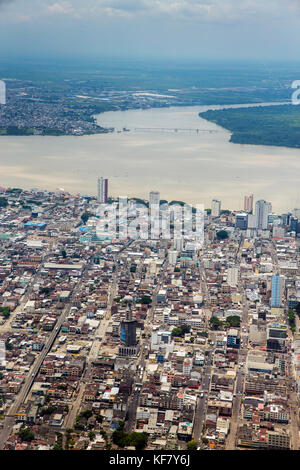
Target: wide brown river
162	151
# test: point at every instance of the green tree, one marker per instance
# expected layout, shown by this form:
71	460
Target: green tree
298	309
26	435
59	442
3	202
48	411
86	414
85	217
185	329
139	440
222	235
215	323
192	445
176	331
225	212
5	311
146	300
79	427
119	438
233	321
292	320
180	330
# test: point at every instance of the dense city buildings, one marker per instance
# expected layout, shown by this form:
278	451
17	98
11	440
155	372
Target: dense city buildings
115	341
149	229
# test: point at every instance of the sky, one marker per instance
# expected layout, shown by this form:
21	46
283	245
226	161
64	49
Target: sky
198	29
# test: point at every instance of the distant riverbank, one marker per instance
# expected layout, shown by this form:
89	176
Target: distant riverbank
263	125
104	129
164	153
49	132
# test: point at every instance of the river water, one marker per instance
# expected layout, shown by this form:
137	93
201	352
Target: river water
187	165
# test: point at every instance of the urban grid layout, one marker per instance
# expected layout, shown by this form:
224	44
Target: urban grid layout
111	342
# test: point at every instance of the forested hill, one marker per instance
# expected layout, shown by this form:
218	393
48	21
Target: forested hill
263	125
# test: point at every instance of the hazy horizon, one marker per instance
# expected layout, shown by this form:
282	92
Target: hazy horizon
190	29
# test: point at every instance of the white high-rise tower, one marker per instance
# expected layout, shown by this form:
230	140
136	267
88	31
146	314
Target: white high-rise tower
154	197
102	190
215	208
262	210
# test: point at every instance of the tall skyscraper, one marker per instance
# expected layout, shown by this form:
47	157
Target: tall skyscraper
248	203
102	192
262	210
277	290
128	330
154	197
215	208
286	218
294	225
178	244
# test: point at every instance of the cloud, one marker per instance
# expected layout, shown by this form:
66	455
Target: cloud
204	10
210	10
64	8
128	5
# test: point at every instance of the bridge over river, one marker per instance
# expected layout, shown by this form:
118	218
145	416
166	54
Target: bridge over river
175	129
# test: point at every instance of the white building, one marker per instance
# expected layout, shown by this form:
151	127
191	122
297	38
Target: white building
233	276
262	210
173	257
187	367
154	197
215	208
248	203
178	244
162	340
102	190
2	353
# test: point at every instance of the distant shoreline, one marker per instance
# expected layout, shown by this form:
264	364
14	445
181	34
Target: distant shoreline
261	126
23	132
49	133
